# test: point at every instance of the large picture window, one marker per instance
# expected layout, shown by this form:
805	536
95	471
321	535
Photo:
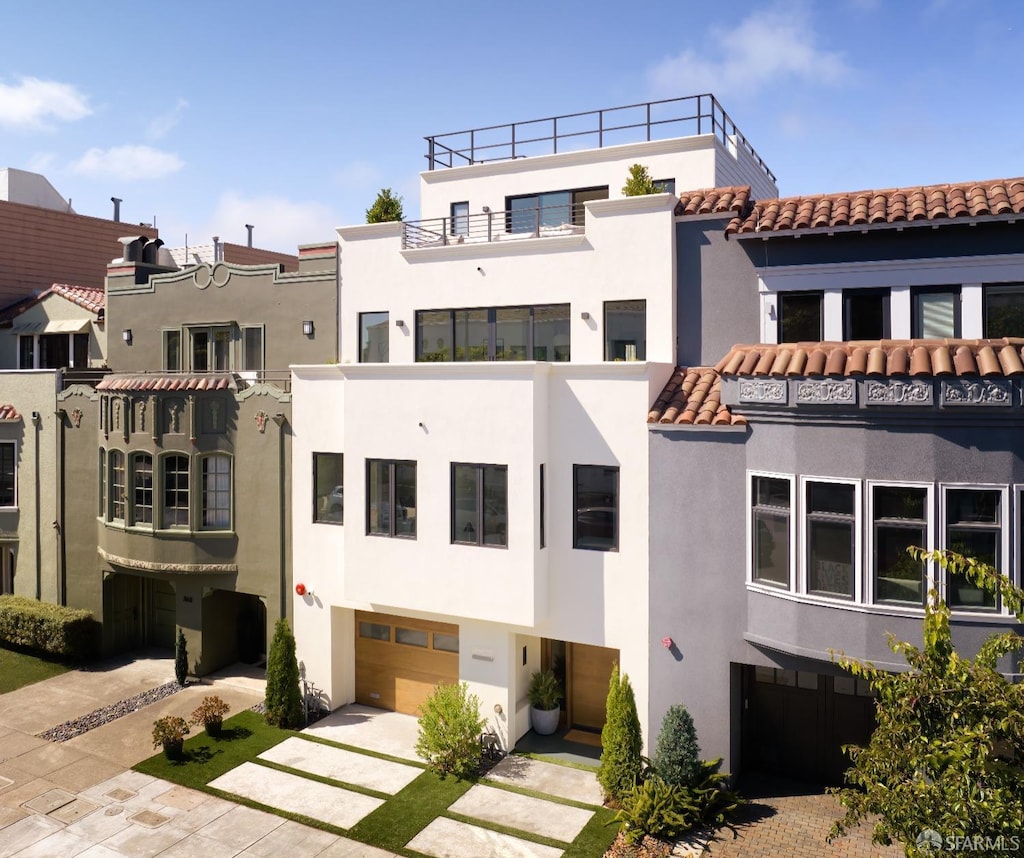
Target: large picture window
391	498
480	504
831	528
596	503
899	520
8	470
770	520
216	497
142	489
328	488
974	529
175	491
374	337
494	333
625	330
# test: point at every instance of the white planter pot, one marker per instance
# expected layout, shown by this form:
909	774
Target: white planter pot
545	721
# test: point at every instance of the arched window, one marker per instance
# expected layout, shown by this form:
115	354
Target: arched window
103	484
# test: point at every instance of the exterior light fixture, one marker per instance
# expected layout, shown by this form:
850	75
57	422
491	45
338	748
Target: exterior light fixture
307	328
399	323
585	316
126	335
37	418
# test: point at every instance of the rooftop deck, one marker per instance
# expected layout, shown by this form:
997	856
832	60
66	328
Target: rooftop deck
596	129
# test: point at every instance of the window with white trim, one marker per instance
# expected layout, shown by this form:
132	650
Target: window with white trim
142	490
175	473
117	485
973	528
830	517
899	519
771	516
215	513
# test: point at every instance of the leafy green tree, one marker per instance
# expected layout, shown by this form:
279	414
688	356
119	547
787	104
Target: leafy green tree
284	703
677	758
180	658
621	740
450	725
639	183
947	754
387	207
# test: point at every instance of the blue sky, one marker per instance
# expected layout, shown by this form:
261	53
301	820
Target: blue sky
291	117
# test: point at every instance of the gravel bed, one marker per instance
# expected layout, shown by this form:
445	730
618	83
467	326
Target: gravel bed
78	726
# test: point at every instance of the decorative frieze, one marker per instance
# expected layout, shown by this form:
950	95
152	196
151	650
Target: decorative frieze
962	391
774	392
826	392
896	392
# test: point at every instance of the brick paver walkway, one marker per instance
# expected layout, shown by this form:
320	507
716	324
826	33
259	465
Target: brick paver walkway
785	819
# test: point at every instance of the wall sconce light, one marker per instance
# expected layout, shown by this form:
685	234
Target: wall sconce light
126	335
497	709
37	418
668	643
307	328
486	209
585	316
399	323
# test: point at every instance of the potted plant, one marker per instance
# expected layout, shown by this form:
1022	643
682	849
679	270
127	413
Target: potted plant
544	694
170	731
210	713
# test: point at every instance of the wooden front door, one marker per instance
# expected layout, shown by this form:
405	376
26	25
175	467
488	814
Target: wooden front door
590	668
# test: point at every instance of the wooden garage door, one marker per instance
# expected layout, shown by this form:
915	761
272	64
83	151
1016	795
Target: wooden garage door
591	668
400	660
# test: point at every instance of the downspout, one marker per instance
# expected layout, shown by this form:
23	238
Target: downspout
58	525
279	419
36	423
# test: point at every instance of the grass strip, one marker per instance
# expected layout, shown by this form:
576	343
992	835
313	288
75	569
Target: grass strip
546	758
18	669
312	776
554	799
519	833
596	837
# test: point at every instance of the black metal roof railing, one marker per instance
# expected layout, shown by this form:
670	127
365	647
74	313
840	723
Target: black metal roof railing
595	129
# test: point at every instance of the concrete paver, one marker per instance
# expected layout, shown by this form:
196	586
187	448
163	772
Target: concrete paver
291	838
345	848
341	765
241	827
25	832
523	812
390	733
446	838
574	784
296	794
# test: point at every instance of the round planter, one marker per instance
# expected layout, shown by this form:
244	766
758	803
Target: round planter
545	721
173	749
214	728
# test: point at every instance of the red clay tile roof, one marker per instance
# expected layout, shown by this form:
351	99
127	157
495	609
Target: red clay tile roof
90	298
1004	357
714	201
893	206
9	412
156	382
693	397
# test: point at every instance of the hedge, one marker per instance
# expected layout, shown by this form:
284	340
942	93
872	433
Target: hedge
65	632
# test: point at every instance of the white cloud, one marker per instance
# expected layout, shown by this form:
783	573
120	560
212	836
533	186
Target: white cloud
128	162
768	48
280	224
357	175
32	103
160	125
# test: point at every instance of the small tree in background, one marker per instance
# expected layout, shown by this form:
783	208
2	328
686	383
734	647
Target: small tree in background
180	658
621	739
947	754
387	207
677	758
284	704
639	183
450	726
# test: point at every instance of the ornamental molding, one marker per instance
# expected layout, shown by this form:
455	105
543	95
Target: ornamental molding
772	392
173	568
899	393
826	392
990	392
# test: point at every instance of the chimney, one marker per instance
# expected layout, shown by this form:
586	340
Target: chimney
117	208
218	251
249	227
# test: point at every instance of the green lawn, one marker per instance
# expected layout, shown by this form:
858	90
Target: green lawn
391	826
20	668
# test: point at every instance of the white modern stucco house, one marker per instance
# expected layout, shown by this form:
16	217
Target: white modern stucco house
470	481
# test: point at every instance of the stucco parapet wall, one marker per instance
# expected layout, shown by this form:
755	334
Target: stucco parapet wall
495	370
172	568
85	390
865	394
560	160
219	275
362	231
262	388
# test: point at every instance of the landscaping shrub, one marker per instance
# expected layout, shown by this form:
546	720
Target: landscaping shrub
180	658
450	727
284	703
66	632
621	739
648	847
677	758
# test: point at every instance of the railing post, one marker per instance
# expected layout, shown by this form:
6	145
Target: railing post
536	221
648	122
489	215
600	129
513	141
472	146
554	133
430	151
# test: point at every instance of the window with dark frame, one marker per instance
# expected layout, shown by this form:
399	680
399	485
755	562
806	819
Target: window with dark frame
117	485
374	337
391	498
215	512
8	474
625	330
935	313
211	348
460	218
172	351
900	520
865	314
175	491
974	529
831	521
480	504
103	484
538	333
1003	310
26	352
252	348
800	317
771	514
551	210
596	505
142	489
328	488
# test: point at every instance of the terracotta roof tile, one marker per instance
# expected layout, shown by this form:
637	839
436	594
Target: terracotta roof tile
693	396
1003	357
170	381
731	200
89	298
9	412
892	206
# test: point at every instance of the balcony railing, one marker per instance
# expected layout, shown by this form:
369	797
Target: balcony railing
652	120
519	223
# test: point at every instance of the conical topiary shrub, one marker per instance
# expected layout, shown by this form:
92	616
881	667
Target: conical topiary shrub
284	703
677	759
180	658
621	740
